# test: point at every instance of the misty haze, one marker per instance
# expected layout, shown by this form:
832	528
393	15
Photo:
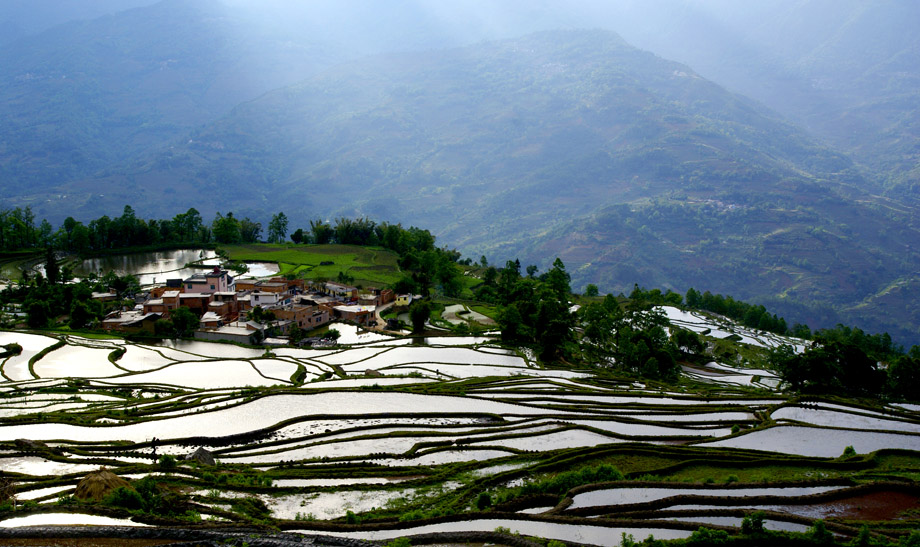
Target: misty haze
378	270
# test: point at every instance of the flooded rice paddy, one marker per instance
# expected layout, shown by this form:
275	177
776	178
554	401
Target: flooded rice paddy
379	424
149	268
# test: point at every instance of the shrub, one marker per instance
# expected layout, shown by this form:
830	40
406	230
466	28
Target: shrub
399	542
167	462
66	500
848	452
753	523
126	498
483	501
304	516
352	518
707	536
563	482
819	533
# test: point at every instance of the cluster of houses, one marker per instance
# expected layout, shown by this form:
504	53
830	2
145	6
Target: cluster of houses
224	306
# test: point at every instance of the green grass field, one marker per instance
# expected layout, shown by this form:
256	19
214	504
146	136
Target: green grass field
368	265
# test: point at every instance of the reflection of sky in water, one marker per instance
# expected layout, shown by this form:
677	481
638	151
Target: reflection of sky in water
259	269
595	535
157	267
62	519
818	442
624	496
148	267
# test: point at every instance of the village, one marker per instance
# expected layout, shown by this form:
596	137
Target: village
274	311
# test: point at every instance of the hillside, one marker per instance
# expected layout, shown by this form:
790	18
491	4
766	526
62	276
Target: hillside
86	96
503	146
845	70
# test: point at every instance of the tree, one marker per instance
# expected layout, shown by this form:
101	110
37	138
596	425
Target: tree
322	232
277	228
250	230
298	236
599	325
295	333
38	313
419	313
693	298
405	285
52	270
80	315
904	375
512	324
686	340
226	229
558	279
590	290
184	321
45	232
830	367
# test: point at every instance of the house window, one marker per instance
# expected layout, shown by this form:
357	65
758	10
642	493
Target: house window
212	287
189	286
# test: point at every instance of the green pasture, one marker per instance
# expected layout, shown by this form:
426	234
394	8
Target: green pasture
367	265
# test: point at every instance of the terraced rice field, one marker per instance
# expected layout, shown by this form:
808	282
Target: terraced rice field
383	438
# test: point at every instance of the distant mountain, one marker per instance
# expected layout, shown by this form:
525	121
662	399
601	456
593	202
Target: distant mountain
88	95
81	92
570	143
847	70
20	18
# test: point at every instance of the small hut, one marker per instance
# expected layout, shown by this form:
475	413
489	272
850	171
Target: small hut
98	485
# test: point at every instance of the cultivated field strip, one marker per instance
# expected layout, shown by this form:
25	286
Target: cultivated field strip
394	427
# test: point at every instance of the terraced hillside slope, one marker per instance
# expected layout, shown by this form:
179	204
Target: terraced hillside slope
441	439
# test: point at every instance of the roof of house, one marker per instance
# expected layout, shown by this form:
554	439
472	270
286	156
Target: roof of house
129	318
233	329
356	309
209	317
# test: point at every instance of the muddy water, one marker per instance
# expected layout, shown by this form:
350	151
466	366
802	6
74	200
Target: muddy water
874	506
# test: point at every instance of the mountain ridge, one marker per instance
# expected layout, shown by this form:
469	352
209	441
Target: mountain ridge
502	146
631	167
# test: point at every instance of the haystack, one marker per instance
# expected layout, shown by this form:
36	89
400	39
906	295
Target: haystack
202	456
98	484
